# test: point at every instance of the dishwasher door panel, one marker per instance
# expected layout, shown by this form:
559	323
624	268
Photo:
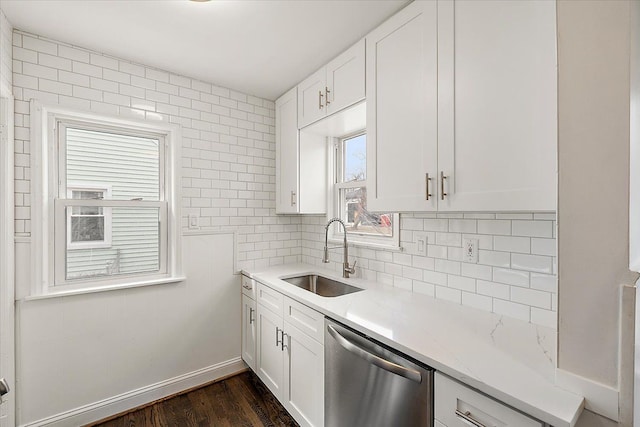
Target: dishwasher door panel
368	385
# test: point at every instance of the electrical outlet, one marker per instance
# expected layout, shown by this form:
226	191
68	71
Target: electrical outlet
194	222
421	243
470	250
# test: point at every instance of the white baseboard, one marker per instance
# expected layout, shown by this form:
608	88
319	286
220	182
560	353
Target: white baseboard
134	398
599	398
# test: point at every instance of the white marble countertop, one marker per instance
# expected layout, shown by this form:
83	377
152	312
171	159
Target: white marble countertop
509	359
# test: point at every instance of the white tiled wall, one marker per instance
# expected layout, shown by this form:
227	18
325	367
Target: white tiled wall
515	275
6	65
228	138
229	182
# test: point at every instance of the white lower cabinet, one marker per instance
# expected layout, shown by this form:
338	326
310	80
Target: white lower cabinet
289	361
270	350
457	405
249	331
304	377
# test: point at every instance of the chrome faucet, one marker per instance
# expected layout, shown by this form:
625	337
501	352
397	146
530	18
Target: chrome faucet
346	270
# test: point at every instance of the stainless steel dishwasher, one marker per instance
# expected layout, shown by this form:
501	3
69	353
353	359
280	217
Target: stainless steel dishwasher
369	385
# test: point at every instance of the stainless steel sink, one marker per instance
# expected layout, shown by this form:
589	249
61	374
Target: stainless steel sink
322	286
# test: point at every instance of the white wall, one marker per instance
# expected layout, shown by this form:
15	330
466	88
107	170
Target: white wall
6	57
77	352
593	84
80	350
515	275
6	221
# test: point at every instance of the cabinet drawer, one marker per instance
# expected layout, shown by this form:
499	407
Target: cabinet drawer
454	401
248	287
304	318
270	299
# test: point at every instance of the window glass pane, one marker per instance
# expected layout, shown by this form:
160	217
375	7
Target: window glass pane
128	165
87	228
87	194
87	210
355	158
358	219
134	248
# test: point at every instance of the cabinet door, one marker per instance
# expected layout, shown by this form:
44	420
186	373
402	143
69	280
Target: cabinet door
287	153
497	113
304	377
249	331
345	79
270	356
313	184
402	111
311	98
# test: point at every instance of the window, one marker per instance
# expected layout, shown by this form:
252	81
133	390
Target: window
109	202
350	196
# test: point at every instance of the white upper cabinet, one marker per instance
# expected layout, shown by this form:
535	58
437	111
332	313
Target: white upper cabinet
461	107
301	163
402	134
345	79
287	153
335	86
497	115
312	93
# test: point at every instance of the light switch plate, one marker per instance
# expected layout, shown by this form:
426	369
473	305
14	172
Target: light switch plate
194	222
470	251
421	241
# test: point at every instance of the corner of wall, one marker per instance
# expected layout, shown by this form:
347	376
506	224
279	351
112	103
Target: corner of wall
6	56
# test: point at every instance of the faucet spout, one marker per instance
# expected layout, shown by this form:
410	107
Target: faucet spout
346	269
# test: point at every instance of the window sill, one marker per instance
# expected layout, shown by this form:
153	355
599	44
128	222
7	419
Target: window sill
105	288
370	245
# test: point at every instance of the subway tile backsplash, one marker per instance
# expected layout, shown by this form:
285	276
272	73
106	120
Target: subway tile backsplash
515	274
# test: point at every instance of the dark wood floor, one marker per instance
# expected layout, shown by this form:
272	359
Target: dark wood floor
241	400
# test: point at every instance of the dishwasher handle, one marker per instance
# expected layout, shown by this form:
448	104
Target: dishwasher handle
381	363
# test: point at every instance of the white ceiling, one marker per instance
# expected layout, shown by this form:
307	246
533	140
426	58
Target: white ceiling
260	47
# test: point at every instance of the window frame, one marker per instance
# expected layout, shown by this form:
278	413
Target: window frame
48	211
336	171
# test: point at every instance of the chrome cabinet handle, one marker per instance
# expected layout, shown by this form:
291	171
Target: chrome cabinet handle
278	330
327	92
442	178
247	287
468	419
381	363
293	198
320	95
283	345
427	181
251	319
